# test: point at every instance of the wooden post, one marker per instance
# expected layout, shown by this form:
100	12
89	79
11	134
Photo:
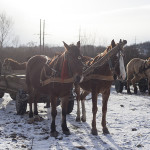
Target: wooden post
43	32
40	35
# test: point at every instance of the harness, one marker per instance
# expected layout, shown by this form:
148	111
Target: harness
98	77
143	68
65	72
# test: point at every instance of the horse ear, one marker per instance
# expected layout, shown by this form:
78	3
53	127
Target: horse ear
78	44
66	45
113	44
120	41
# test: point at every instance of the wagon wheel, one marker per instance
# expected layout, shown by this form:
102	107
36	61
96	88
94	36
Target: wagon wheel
21	102
12	95
1	93
118	86
143	85
71	103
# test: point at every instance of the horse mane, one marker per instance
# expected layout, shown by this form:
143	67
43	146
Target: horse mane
14	64
100	55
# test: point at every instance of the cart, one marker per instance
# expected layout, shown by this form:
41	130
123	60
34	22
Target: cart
15	85
142	84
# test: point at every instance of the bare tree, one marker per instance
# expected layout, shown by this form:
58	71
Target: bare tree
5	29
15	41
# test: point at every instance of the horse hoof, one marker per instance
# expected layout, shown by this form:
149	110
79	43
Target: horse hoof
94	131
129	93
105	131
78	119
31	120
66	132
54	134
83	119
37	118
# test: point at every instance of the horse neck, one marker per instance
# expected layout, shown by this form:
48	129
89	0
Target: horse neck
18	66
103	70
57	64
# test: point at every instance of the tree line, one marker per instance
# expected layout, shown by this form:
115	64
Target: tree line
22	54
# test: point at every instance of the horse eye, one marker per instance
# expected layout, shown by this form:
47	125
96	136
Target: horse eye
79	57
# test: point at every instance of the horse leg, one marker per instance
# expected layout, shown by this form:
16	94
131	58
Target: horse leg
94	110
105	97
30	100
65	101
36	117
128	86
77	91
134	80
83	95
53	133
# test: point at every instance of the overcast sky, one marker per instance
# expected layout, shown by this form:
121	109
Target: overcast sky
99	21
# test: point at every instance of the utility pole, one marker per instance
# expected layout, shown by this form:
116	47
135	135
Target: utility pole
40	34
43	33
135	40
79	33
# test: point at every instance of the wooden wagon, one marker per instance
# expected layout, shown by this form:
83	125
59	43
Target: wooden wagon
14	84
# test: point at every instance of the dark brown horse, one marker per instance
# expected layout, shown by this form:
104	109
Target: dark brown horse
100	81
54	78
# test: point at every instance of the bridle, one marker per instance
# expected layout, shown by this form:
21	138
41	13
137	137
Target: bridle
112	64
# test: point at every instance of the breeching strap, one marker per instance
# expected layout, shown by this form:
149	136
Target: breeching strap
58	80
98	77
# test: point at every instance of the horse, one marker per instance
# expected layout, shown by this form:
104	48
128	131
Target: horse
137	69
100	81
11	64
54	78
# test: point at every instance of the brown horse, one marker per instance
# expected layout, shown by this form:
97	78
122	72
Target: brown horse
59	74
10	64
100	81
137	69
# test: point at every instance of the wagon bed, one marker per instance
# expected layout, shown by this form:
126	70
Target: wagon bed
15	85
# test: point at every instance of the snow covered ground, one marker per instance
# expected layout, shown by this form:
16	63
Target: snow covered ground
128	120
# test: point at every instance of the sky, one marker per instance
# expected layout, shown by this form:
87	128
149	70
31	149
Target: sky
97	21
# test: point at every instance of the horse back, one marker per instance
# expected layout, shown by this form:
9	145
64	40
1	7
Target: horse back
133	67
33	69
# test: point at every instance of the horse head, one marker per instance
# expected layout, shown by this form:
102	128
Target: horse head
72	59
116	62
6	66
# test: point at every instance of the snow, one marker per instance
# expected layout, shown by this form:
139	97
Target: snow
128	120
